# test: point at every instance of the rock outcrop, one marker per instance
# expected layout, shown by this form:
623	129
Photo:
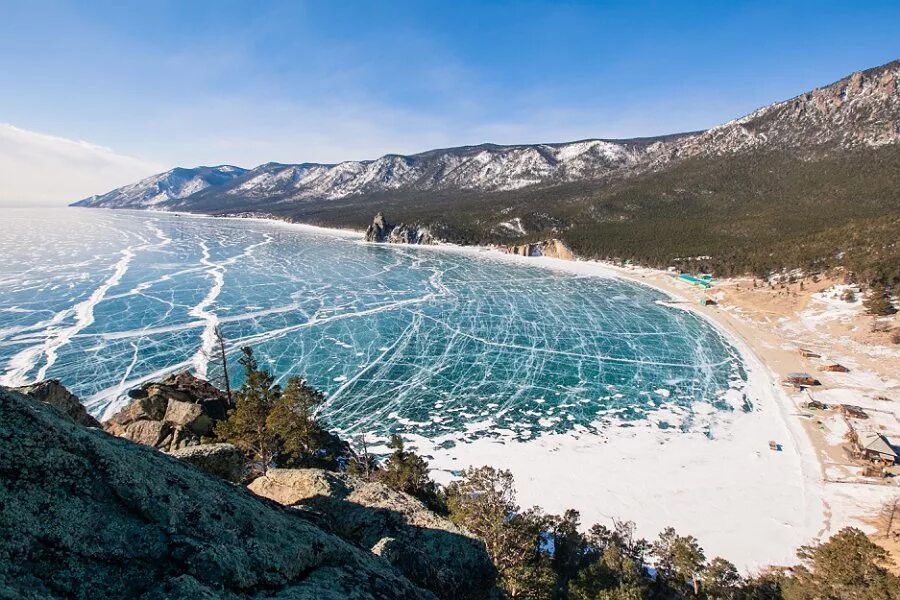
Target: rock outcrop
177	412
88	515
552	248
222	460
428	549
381	231
55	394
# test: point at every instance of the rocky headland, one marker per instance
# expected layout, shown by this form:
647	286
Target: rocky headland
383	232
552	248
380	231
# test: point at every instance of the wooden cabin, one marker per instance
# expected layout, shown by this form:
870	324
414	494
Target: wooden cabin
836	368
855	412
801	380
875	447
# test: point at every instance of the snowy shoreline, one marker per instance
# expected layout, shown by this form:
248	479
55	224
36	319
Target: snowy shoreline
742	501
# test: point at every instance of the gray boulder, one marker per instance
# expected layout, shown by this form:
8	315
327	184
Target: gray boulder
222	460
88	515
429	549
56	395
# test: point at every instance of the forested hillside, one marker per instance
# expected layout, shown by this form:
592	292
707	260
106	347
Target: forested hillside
745	213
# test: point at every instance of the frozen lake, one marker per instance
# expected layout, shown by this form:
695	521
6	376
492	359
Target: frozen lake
400	338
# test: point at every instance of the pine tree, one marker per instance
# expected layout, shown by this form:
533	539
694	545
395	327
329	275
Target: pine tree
569	548
720	579
246	426
680	560
222	358
362	465
407	472
879	303
292	420
848	565
484	502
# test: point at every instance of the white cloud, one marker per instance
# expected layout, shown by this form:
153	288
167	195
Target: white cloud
39	169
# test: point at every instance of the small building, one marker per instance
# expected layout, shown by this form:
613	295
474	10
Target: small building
809	354
801	379
816	405
705	282
850	410
875	446
708	302
836	368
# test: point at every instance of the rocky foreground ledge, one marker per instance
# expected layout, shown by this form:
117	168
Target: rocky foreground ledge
85	514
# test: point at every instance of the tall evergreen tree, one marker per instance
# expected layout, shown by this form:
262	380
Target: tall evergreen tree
848	566
484	502
680	561
292	420
879	303
247	424
407	472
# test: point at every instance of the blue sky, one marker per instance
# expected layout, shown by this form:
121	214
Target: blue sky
196	82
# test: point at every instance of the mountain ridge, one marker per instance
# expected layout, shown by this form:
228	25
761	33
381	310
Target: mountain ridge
791	173
496	167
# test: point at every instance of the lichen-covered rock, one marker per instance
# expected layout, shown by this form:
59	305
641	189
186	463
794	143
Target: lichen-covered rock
87	515
145	408
148	433
429	549
187	414
177	412
222	460
55	394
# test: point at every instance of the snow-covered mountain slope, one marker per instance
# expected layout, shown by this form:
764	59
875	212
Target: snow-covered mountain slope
473	168
171	185
862	110
859	111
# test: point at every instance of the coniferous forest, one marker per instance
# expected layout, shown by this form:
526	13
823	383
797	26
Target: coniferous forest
751	213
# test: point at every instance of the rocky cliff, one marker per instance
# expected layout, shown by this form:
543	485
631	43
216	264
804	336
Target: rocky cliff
88	515
380	231
428	549
552	248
